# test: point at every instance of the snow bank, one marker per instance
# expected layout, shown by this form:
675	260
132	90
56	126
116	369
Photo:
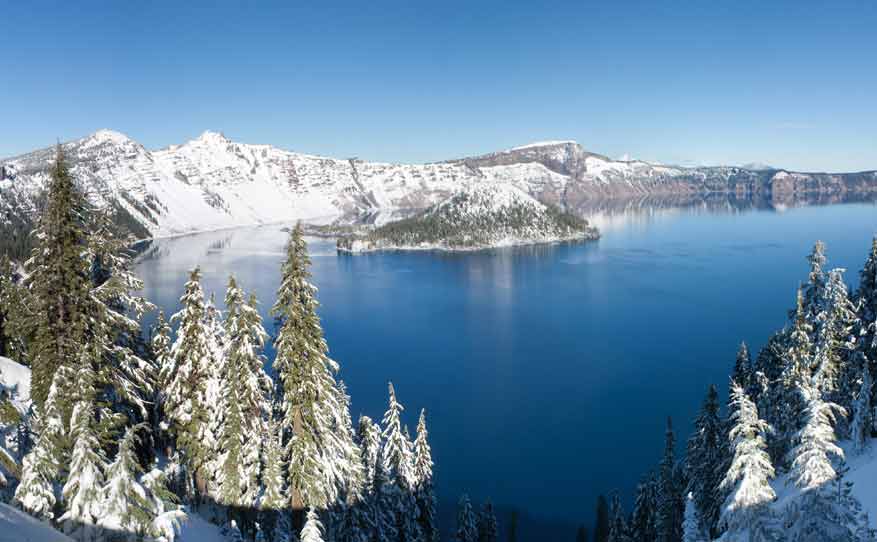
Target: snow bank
16	526
15	380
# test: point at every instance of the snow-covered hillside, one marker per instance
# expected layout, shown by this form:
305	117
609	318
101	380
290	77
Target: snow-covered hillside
213	182
479	216
16	526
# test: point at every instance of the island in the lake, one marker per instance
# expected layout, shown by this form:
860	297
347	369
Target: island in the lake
482	216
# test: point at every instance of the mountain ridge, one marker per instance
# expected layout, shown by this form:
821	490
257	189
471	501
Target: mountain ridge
214	182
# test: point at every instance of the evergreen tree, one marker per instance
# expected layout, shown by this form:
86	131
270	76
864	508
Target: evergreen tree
488	530
835	373
705	456
863	412
423	484
377	493
166	514
692	531
642	523
798	359
866	299
313	529
743	373
127	508
816	280
245	388
58	278
747	480
35	492
274	498
467	530
186	390
668	522
397	466
813	457
618	526
84	491
827	513
602	525
319	454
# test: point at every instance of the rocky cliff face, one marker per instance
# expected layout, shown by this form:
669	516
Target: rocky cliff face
213	182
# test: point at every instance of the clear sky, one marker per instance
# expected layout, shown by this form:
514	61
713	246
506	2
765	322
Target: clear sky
791	84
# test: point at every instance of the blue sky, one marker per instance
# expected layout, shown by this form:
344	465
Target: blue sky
792	84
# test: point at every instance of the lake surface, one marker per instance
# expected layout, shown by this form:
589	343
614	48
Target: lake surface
548	372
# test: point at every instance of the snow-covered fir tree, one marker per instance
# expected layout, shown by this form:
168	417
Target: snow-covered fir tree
245	390
127	509
40	469
467	529
161	352
186	388
618	530
866	299
398	468
863	412
164	510
274	499
319	454
707	452
488	530
814	456
313	529
84	490
642	522
423	484
835	373
58	278
692	530
827	513
814	290
743	371
668	521
378	496
747	481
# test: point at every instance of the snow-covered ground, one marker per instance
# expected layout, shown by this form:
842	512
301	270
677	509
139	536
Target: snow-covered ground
16	526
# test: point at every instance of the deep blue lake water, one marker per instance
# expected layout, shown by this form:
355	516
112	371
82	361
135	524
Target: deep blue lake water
548	372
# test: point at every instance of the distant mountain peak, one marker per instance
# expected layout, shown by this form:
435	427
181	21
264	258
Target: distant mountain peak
549	143
106	135
211	136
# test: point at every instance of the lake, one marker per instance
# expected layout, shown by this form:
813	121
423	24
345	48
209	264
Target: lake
547	372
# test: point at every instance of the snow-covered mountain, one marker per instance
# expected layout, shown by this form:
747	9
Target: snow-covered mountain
487	214
212	182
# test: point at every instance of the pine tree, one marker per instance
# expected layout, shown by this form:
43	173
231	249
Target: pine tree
467	530
488	530
274	497
313	529
813	457
692	531
245	388
642	527
166	514
602	525
743	373
866	299
84	491
835	373
397	466
705	456
863	412
127	508
319	454
423	484
747	479
798	359
618	526
827	513
35	492
816	280
186	388
58	279
668	523
377	496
